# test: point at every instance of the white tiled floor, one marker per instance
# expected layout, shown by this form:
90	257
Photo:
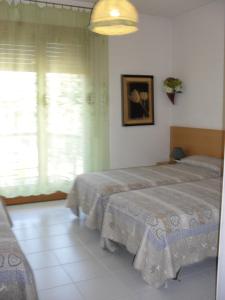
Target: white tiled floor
69	264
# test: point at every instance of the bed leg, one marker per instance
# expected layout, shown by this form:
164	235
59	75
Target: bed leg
177	277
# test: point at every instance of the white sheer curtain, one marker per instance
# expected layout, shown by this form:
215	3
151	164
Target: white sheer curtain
53	99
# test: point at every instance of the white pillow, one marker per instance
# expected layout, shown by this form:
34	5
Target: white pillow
208	162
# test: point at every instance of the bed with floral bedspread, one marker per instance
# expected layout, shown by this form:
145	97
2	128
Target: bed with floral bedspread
91	191
165	227
16	277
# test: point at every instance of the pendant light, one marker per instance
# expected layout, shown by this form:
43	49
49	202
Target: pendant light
113	17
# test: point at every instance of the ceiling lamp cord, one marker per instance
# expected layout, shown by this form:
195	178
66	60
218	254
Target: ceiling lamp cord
113	17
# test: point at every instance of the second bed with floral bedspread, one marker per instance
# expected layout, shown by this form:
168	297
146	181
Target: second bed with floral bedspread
91	191
165	227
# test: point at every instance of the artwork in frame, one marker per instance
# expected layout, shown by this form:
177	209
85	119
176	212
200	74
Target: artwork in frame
137	100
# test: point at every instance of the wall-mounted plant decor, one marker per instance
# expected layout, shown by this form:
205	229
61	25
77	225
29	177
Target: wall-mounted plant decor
172	86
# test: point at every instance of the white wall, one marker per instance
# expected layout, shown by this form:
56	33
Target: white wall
147	52
221	260
198	55
191	47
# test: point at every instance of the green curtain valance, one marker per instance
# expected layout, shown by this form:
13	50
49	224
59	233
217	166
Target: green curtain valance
31	13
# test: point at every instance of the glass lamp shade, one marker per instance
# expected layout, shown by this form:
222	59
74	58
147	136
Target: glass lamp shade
113	17
177	153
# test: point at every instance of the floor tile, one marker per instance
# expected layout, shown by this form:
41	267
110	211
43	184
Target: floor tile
212	275
118	260
203	266
46	213
96	250
66	292
130	297
51	277
42	260
33	246
103	288
85	270
131	278
72	254
53	242
87	235
27	233
189	288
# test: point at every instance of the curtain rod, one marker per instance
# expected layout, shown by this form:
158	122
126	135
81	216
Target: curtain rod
59	4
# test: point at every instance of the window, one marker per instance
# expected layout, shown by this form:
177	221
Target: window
53	100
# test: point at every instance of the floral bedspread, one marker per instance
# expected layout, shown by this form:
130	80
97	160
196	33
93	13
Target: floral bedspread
16	277
165	227
91	191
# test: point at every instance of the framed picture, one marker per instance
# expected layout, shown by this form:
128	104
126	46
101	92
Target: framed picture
137	100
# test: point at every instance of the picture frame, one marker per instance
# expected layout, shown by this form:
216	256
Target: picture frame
137	100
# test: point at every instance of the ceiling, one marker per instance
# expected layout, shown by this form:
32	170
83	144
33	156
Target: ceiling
166	8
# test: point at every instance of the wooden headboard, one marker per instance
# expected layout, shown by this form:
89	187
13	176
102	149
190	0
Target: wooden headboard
198	141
